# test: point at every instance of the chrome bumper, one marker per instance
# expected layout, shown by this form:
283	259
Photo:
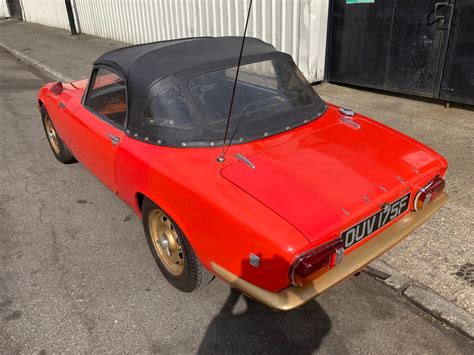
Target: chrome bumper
293	297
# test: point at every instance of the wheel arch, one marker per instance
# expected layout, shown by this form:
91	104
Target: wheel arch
168	208
139	198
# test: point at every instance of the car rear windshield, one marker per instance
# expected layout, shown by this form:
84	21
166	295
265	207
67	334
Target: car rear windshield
264	89
271	96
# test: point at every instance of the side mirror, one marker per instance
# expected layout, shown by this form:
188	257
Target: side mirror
57	88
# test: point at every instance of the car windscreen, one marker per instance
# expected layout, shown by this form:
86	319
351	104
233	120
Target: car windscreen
271	96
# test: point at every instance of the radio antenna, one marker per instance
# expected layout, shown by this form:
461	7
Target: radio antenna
221	157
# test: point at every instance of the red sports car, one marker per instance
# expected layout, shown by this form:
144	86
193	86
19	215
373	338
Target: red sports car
306	194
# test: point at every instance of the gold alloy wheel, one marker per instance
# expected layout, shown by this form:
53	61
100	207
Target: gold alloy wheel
166	242
52	136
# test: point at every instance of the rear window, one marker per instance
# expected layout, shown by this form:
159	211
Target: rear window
168	108
191	108
264	89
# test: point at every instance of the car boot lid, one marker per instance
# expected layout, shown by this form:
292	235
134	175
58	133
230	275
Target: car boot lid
324	181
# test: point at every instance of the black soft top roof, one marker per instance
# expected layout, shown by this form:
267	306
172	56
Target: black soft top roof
160	59
144	66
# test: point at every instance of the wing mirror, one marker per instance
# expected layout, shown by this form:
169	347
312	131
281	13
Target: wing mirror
57	88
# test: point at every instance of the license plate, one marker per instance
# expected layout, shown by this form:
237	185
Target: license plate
370	225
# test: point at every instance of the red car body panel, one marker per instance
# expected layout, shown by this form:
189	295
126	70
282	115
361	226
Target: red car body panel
335	175
310	183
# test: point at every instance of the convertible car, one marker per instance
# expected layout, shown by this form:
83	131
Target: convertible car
306	194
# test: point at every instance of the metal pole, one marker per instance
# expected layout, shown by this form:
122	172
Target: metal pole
76	16
70	15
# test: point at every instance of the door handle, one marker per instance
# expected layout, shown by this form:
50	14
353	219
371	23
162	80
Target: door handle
437	6
114	139
61	105
443	24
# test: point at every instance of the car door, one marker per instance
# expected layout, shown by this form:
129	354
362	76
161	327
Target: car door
97	125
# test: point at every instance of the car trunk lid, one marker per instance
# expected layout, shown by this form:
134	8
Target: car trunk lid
332	177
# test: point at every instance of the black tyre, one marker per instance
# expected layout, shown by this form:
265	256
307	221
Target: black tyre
60	151
172	252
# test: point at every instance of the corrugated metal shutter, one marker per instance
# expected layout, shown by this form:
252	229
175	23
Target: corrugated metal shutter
4	9
297	27
46	12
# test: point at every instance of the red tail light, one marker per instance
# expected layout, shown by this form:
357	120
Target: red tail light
57	88
428	193
308	266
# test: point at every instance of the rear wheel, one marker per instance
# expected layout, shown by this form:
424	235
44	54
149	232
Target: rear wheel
60	151
172	252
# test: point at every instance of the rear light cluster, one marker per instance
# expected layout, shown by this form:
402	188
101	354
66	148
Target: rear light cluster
312	264
428	193
308	266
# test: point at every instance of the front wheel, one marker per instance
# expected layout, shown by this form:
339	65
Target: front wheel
171	250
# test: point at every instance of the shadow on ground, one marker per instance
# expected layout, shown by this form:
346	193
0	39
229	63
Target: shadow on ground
246	326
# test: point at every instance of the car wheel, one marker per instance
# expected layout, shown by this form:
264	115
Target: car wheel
172	252
60	151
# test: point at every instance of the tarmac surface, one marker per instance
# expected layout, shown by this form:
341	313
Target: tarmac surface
76	274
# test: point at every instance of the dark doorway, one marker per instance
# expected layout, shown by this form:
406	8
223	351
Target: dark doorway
14	7
423	48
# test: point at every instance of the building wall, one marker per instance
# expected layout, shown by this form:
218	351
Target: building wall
46	12
4	9
297	27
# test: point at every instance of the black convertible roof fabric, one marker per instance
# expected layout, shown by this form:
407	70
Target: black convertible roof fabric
157	60
144	64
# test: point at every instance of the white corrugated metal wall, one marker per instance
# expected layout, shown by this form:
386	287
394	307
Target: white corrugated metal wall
46	12
297	27
4	9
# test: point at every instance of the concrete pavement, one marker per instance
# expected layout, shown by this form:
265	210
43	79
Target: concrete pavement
70	55
76	274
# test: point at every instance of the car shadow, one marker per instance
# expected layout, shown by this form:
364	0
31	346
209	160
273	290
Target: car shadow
244	325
